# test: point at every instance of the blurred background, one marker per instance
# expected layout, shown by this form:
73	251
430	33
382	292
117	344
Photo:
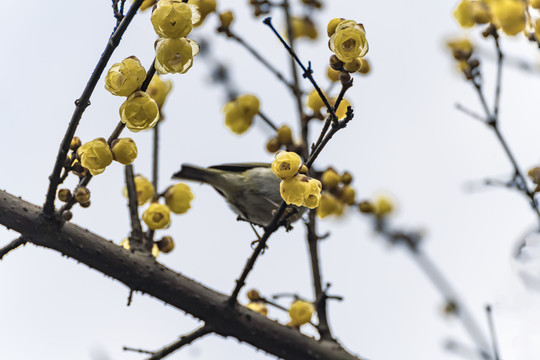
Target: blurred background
406	139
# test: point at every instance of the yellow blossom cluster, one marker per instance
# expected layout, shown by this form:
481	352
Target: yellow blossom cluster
178	199
347	39
296	188
337	193
512	16
239	113
96	155
173	20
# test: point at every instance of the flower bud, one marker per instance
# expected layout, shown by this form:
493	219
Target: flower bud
346	178
166	244
82	195
347	195
366	207
159	89
124	150
330	179
333	75
143	187
272	145
85	204
253	295
75	143
67	215
284	135
226	18
64	195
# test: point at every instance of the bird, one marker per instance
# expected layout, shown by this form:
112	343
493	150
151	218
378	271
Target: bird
250	189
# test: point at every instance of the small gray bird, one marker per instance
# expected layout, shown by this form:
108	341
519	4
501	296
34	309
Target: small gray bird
250	189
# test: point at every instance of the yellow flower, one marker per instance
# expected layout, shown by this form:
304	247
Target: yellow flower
286	164
300	312
468	13
365	67
178	198
349	41
383	206
174	19
313	195
259	307
333	75
125	77
537	29
249	104
347	195
124	150
235	119
143	187
155	249
510	15
535	4
159	89
341	111
294	190
157	216
95	155
139	112
328	205
330	179
303	27
205	7
175	55
239	113
314	101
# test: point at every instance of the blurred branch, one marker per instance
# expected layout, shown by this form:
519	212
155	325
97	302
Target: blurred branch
81	104
181	342
495	347
118	11
12	246
146	275
412	241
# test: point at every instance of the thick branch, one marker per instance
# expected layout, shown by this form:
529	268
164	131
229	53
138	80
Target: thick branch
144	274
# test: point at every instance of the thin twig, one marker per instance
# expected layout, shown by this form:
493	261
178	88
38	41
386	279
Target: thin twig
183	341
304	121
320	295
268	121
80	106
470	113
269	230
491	324
308	72
12	246
140	351
261	59
136	239
500	57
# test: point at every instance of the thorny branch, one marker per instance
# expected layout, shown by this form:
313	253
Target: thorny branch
80	106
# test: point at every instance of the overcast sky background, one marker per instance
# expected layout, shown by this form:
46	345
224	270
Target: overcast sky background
406	139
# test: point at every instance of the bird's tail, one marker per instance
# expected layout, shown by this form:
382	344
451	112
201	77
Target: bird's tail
195	173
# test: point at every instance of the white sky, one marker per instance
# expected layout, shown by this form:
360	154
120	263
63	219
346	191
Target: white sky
406	138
